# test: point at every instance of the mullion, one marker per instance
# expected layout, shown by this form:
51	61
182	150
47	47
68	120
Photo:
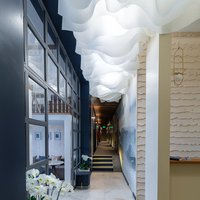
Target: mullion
30	73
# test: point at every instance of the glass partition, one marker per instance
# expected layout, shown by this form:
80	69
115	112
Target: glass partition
52	74
75	157
36	95
51	41
35	54
62	86
36	16
69	94
36	143
62	60
53	142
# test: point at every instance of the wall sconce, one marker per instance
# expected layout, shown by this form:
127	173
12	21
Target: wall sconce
178	66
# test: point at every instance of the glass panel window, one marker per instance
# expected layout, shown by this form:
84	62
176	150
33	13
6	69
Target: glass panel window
52	74
36	101
69	94
58	131
36	15
78	88
55	104
77	123
74	122
75	158
62	60
66	68
79	139
35	54
78	105
75	101
52	103
74	81
79	152
42	169
69	73
62	86
51	41
36	144
75	140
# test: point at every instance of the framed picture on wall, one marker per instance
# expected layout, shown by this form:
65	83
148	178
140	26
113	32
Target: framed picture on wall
57	135
38	136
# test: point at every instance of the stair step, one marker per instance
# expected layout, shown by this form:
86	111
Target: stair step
102	160
102	168
102	156
102	164
98	167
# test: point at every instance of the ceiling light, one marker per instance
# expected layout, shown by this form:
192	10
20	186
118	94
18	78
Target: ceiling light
110	35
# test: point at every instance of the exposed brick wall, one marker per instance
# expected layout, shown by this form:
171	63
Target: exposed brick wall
141	126
185	99
185	106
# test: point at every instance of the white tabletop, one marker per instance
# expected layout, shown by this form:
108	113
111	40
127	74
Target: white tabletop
55	162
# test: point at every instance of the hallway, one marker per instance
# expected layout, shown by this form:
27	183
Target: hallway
103	186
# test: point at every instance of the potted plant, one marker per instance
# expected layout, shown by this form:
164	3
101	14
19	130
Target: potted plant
83	172
84	167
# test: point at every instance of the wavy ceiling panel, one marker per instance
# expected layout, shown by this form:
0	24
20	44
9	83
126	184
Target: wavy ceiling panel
110	35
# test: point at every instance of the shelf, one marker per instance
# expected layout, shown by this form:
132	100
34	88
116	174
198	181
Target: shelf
184	161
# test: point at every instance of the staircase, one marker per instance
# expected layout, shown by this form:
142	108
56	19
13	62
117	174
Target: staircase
102	163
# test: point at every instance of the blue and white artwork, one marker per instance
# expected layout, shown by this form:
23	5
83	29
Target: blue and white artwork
127	135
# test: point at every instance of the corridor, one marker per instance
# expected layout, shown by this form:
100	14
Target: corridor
105	185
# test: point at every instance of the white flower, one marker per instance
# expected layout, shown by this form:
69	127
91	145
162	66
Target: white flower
86	157
32	173
40	190
45	186
42	178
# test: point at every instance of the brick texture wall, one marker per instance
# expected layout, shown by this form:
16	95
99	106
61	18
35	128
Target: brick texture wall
185	99
141	126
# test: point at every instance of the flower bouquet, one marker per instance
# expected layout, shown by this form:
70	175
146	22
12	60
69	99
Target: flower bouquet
45	187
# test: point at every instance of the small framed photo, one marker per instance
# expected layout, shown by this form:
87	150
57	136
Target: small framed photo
57	135
38	136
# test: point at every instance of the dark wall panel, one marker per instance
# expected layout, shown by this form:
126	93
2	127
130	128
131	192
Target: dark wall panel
12	131
85	119
66	37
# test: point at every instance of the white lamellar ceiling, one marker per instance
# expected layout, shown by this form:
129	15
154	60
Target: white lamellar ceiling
110	34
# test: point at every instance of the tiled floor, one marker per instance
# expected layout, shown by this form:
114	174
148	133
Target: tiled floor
103	186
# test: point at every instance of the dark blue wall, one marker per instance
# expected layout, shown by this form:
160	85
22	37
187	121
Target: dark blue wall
66	37
85	119
69	43
12	129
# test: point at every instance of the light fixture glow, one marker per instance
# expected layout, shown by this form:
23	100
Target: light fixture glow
110	34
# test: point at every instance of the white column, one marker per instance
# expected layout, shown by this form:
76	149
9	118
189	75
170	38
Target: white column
157	118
